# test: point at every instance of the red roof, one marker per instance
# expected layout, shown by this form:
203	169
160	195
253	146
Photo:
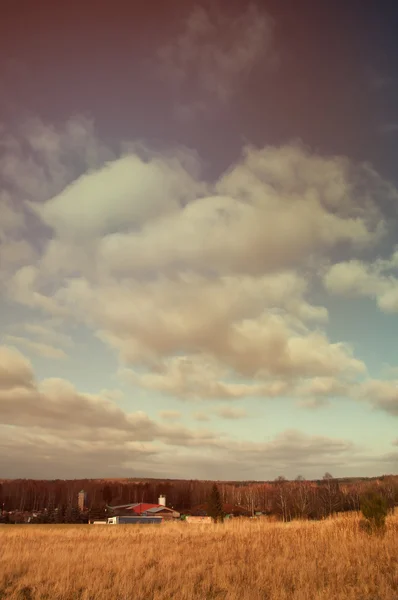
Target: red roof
138	509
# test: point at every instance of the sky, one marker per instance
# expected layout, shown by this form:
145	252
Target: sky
198	239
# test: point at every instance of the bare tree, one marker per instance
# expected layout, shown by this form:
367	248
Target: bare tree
282	498
301	499
250	499
331	495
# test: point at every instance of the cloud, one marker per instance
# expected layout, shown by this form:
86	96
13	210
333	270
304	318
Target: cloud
323	386
12	219
15	370
39	159
293	447
56	406
51	419
203	288
23	288
314	403
47	456
14	253
229	412
352	278
14	249
46	332
201	416
198	378
211	58
115	395
373	280
317	392
170	415
287	452
382	395
43	454
125	192
273	364
38	348
273	209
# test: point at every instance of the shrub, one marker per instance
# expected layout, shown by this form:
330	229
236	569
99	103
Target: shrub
374	510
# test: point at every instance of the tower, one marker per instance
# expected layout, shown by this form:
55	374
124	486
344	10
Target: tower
81	500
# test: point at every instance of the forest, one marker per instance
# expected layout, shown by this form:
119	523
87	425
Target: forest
284	499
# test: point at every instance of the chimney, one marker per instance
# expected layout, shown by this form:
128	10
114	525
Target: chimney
162	500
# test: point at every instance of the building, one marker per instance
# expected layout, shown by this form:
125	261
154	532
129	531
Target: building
145	509
197	520
134	520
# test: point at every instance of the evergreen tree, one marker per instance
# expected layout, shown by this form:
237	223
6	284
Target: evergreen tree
4	518
97	513
60	514
51	513
68	517
214	505
76	516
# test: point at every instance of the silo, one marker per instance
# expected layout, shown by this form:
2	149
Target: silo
162	500
81	500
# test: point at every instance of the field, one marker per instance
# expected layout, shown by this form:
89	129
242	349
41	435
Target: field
245	560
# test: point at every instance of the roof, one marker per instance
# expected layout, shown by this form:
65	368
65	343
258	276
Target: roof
143	507
139	507
156	509
124	505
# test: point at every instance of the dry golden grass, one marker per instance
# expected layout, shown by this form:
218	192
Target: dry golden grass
245	560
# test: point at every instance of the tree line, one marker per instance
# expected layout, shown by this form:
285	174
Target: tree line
56	500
